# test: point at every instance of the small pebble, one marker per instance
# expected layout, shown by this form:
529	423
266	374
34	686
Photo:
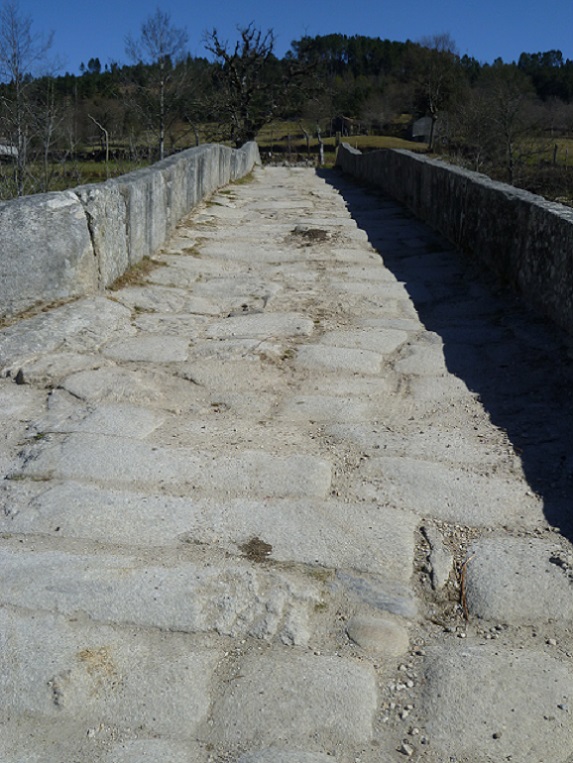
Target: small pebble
551	642
497	735
406	749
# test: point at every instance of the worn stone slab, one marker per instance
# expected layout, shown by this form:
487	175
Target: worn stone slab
380	635
244	405
18	406
239	375
324	408
237	349
488	703
120	420
230	598
444	492
344	359
20	402
371	273
384	341
329	534
154	751
113	385
276	755
375	293
50	370
149	349
380	593
127	462
520	581
35	739
261	325
239	287
164	299
170	324
412	324
441	559
423	361
81	326
62	669
439	389
251	252
356	252
457	446
297	699
344	385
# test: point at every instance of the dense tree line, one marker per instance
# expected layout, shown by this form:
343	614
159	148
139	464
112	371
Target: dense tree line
499	117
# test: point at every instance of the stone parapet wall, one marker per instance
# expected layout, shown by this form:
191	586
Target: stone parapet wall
526	240
68	244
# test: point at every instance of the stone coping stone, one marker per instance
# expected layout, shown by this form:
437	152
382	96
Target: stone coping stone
488	703
47	251
520	580
297	699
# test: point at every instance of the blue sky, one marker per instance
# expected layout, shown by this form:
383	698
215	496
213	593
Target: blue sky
484	29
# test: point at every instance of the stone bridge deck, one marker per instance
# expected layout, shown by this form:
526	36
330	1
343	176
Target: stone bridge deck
299	497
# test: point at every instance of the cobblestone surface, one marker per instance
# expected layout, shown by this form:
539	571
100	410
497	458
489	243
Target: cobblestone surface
302	495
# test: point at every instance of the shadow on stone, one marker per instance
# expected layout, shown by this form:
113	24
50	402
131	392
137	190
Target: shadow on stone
515	360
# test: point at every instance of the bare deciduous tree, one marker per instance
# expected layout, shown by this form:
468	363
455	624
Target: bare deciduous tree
22	53
243	89
251	85
438	76
162	46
